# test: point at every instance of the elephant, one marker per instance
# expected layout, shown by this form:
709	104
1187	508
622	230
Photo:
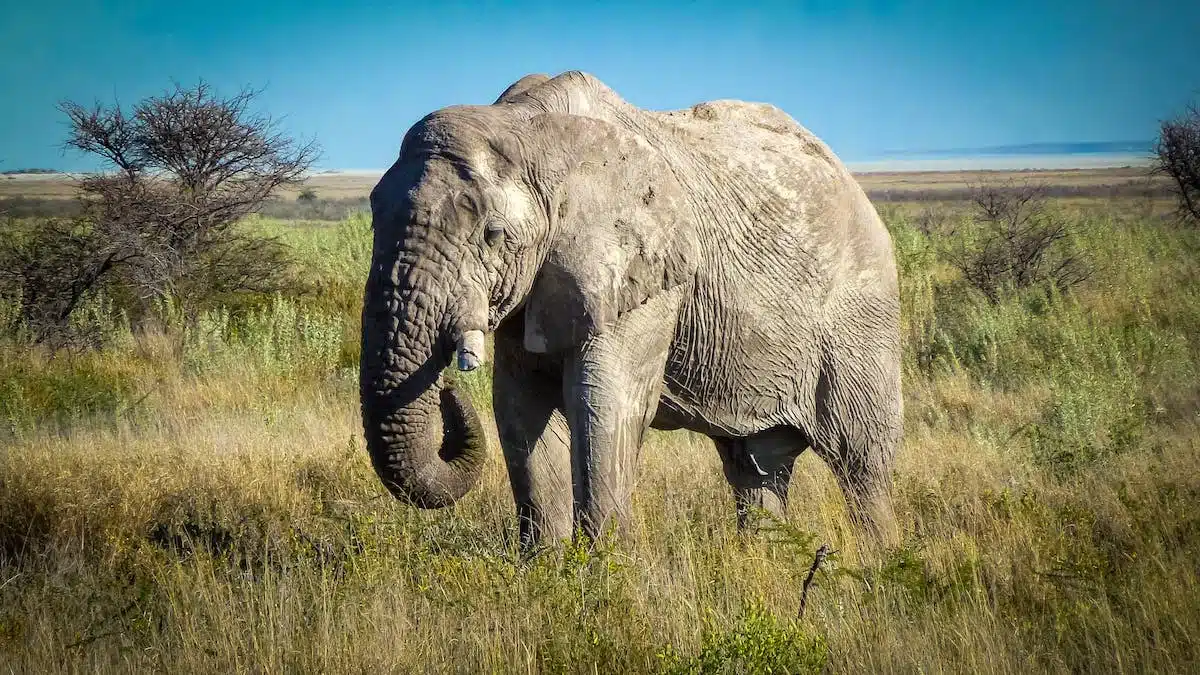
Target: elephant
716	269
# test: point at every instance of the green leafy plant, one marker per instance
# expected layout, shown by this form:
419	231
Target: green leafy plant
758	642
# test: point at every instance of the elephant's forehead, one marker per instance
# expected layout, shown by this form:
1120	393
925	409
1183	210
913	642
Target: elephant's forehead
510	200
444	185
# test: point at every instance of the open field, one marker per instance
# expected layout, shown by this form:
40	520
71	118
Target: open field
337	195
1087	182
357	185
348	185
200	500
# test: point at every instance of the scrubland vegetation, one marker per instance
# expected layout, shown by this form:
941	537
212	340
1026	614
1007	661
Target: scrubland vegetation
191	493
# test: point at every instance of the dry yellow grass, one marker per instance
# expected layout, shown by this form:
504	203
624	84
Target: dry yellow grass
306	565
953	180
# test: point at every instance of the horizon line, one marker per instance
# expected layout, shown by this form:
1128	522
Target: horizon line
914	161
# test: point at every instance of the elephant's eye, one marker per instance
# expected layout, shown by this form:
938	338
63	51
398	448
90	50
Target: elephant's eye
493	233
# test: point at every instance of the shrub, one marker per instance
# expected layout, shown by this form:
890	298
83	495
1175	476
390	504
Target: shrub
1177	156
187	166
1018	242
758	643
48	268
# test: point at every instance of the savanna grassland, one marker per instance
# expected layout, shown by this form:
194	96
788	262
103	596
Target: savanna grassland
195	496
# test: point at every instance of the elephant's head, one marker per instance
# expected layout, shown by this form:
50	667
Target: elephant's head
490	211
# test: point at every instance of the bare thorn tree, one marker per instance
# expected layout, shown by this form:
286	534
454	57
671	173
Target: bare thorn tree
184	168
1020	242
1177	155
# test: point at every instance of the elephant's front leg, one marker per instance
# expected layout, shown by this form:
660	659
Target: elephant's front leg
527	398
611	390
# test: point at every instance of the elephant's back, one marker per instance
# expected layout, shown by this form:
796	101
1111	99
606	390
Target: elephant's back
747	128
764	184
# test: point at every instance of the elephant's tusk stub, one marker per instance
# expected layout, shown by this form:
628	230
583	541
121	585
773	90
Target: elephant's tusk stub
470	351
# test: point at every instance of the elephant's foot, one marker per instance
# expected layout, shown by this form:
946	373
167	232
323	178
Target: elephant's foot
870	509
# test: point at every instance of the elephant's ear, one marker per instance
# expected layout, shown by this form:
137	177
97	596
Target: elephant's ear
622	230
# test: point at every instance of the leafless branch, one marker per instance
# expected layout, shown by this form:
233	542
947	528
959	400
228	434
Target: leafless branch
1177	156
1021	243
819	559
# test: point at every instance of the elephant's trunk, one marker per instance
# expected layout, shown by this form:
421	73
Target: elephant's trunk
426	442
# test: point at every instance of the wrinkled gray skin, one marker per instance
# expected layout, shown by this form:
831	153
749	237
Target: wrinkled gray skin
715	269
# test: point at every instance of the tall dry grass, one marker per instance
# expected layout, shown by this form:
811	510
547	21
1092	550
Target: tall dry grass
199	500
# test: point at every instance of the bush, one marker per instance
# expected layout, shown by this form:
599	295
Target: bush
186	167
758	643
1177	156
47	268
1017	242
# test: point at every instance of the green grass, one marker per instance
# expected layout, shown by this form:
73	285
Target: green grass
200	500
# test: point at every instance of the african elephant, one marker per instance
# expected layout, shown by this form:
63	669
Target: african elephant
716	269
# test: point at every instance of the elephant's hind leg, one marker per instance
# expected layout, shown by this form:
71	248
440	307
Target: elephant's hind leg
536	440
759	469
858	432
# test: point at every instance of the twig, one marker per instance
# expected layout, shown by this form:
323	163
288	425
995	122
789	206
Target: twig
818	560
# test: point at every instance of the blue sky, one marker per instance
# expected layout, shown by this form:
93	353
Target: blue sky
868	77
